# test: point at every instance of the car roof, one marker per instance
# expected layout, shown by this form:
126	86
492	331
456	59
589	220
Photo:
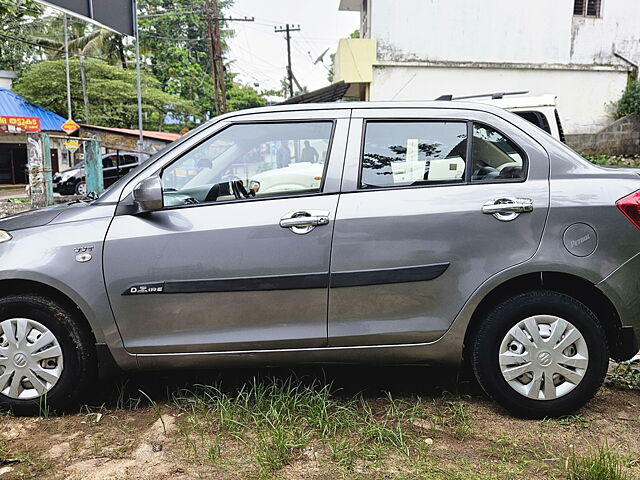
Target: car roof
433	104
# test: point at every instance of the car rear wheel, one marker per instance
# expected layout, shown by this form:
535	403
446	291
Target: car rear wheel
47	358
540	354
81	188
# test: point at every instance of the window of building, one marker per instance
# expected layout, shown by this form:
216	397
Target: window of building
401	154
587	8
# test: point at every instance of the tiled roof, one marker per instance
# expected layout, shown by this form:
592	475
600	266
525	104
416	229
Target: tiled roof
13	105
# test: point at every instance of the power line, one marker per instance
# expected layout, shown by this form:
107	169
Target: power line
27	42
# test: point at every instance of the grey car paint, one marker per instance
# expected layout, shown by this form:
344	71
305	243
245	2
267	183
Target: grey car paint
430	326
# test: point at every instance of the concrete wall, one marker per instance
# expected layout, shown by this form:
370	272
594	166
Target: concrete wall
585	98
620	138
6	78
542	31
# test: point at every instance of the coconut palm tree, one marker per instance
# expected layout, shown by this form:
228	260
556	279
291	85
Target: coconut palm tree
85	40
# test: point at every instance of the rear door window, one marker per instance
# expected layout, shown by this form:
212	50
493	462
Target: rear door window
401	154
494	156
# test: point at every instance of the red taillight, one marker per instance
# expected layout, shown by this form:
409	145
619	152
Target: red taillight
630	206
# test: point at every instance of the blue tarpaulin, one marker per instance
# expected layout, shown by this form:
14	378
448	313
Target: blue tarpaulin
13	105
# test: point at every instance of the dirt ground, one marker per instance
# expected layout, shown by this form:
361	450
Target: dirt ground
129	437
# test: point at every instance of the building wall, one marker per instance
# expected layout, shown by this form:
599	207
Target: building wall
115	141
620	138
544	31
584	97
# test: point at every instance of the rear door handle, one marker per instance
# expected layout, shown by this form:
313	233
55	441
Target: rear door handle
507	208
303	221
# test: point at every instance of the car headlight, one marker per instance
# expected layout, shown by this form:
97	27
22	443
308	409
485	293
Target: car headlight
4	236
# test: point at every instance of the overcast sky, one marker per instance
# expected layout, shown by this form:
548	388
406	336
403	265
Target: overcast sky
260	54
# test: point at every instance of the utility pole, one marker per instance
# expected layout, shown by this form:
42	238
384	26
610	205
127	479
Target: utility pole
66	59
219	66
212	56
138	81
215	52
288	29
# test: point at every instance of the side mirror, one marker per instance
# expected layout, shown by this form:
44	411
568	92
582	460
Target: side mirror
147	195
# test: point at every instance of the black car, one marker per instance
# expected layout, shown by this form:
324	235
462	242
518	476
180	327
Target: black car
114	166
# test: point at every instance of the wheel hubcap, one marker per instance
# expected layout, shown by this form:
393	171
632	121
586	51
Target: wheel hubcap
30	359
543	357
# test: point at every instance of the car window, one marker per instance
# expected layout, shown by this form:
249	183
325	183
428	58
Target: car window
413	153
245	161
494	156
128	160
537	118
109	161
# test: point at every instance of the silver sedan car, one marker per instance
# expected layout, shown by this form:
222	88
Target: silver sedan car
380	233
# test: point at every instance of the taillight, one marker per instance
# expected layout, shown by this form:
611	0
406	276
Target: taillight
630	206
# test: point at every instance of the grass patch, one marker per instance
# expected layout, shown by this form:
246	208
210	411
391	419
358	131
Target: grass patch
22	464
274	422
599	464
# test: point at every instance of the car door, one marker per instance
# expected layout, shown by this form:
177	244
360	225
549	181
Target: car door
230	263
424	219
109	169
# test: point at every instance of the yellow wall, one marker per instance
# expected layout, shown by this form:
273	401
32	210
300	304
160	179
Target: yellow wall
354	60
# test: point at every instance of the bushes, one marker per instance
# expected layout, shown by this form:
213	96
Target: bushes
630	101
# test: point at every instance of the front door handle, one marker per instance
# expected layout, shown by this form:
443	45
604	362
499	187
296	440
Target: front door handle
507	208
304	221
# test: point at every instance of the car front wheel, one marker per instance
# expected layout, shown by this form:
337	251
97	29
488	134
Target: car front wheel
47	358
81	188
540	354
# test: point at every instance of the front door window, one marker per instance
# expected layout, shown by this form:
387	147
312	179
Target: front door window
247	161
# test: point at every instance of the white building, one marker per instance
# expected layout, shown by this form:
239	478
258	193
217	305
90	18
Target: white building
584	51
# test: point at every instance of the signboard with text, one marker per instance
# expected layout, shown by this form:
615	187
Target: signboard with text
69	127
19	124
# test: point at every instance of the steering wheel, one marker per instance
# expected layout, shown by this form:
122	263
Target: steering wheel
237	187
239	191
230	184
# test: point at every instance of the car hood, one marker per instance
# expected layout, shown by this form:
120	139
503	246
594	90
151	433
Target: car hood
35	218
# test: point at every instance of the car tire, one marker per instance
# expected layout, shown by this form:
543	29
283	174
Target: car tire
52	351
81	188
544	374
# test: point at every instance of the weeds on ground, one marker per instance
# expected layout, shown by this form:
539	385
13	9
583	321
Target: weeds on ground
601	463
625	375
276	421
615	160
23	464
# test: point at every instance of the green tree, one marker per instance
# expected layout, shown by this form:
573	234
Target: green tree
15	19
243	96
630	101
111	91
175	40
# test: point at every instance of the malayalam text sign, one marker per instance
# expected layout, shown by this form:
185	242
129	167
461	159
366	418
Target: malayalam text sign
20	124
